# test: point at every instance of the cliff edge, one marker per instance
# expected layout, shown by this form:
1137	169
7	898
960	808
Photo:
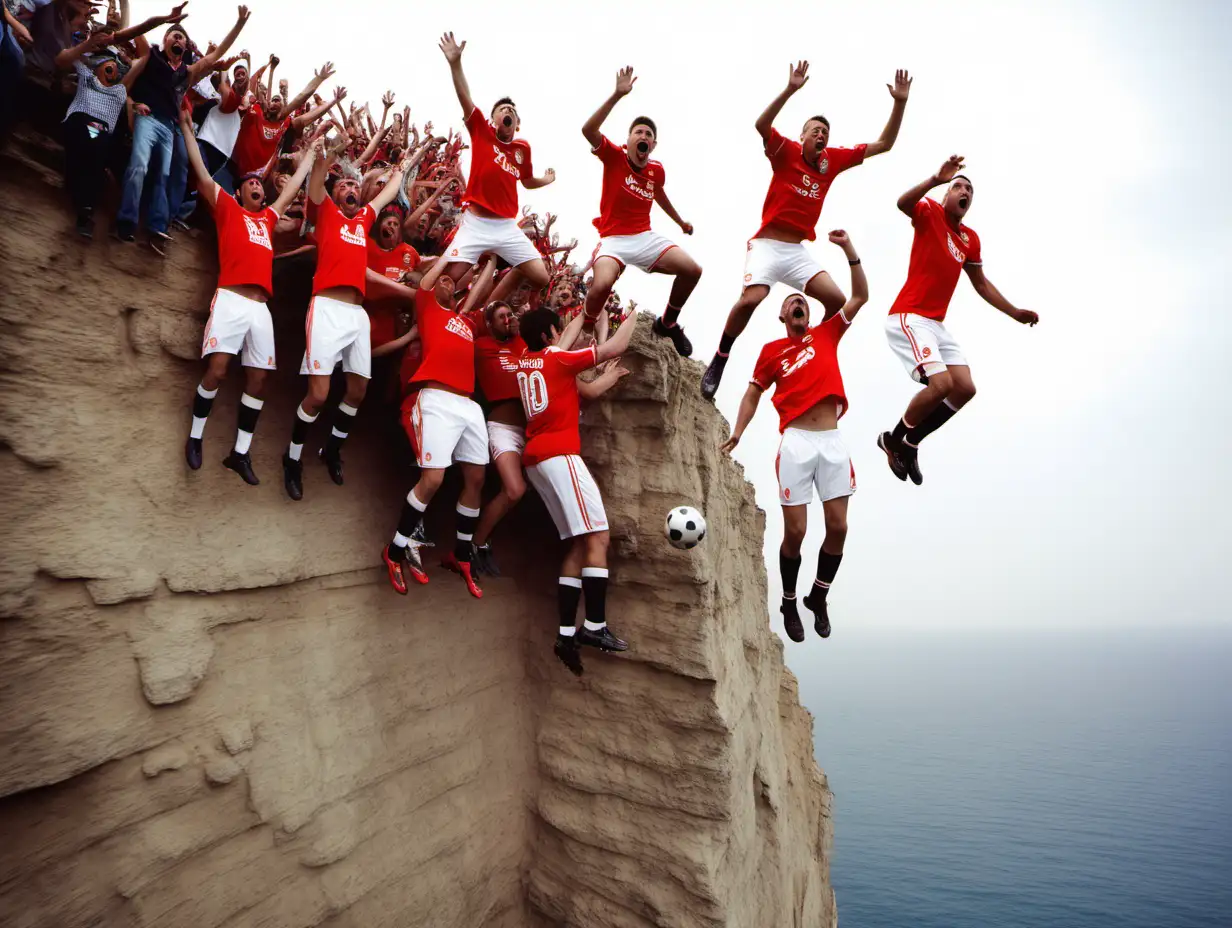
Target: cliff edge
214	711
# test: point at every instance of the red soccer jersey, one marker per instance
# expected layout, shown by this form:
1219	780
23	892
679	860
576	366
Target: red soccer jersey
496	168
496	367
628	193
342	247
798	189
245	244
939	252
448	345
803	371
390	264
257	141
382	325
550	401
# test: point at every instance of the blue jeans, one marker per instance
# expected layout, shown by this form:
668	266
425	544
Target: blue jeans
180	202
151	136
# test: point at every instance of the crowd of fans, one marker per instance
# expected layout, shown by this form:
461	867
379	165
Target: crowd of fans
128	98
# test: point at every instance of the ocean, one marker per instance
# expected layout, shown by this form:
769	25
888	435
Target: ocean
1002	779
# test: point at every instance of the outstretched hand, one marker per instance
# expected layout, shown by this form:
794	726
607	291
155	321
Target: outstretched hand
952	166
1026	316
625	80
901	86
242	14
325	73
798	76
728	446
388	100
177	14
453	51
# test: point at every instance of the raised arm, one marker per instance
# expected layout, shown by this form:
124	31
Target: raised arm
206	64
390	191
64	60
453	54
992	296
902	87
907	202
666	205
859	283
320	170
618	344
748	408
591	390
590	129
138	63
318	112
796	78
370	152
205	184
569	335
534	183
291	190
290	106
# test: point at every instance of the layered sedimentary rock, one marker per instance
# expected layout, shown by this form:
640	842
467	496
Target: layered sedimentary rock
215	712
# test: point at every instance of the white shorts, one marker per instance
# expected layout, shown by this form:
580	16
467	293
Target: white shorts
769	262
641	251
570	493
504	438
479	235
335	331
924	345
448	428
808	459
237	323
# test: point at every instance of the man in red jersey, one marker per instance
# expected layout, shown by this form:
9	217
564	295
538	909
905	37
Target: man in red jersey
239	322
631	183
391	261
445	427
336	328
809	396
266	121
941	248
803	173
498	162
547	382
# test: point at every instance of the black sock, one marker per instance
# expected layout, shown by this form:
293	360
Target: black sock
594	585
246	422
900	431
344	420
670	315
408	522
203	402
827	568
725	344
568	595
789	570
467	520
933	421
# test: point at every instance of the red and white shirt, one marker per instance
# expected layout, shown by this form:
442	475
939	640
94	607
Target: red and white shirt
546	380
448	345
257	141
798	189
939	252
342	246
628	193
804	371
496	367
496	168
245	244
390	264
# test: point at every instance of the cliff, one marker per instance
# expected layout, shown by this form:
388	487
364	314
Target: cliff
215	712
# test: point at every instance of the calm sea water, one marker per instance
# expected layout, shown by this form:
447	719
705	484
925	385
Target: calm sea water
996	780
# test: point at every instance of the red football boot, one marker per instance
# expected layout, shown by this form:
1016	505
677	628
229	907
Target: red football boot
396	580
450	562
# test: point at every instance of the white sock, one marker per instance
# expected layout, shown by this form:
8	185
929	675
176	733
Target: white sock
295	451
198	428
243	441
595	626
568	631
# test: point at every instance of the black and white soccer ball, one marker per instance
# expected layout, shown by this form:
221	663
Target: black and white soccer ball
685	527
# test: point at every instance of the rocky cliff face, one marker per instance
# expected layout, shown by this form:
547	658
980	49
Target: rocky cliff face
214	711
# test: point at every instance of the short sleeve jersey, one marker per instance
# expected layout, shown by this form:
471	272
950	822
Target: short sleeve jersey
550	401
496	367
245	244
496	168
257	140
797	189
939	252
803	371
390	264
342	247
448	345
624	208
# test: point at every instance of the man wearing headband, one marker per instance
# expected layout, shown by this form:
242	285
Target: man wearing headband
803	173
240	322
809	396
941	248
631	183
498	162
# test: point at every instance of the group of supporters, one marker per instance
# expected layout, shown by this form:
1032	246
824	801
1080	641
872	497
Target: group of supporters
501	340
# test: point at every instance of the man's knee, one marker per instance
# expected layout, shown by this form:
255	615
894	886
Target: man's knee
836	528
596	543
355	393
318	390
515	490
691	271
218	365
430	480
941	383
793	538
961	392
254	381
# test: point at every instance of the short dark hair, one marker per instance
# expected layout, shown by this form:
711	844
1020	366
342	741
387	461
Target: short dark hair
964	177
820	119
645	121
177	28
501	102
489	311
536	327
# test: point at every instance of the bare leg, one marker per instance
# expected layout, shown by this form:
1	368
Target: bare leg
822	287
513	486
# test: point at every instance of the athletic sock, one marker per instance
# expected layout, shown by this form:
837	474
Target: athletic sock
202	403
670	315
900	431
789	570
467	520
246	422
933	421
725	345
299	432
412	515
594	585
827	567
568	595
344	420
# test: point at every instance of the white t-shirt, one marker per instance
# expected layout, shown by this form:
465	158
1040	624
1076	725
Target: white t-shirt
221	129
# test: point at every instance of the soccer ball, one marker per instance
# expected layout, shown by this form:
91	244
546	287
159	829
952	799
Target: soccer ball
685	527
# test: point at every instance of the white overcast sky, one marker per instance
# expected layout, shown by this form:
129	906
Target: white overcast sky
1086	485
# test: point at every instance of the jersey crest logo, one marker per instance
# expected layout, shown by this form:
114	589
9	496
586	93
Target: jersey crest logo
801	359
406	259
517	155
927	351
954	250
353	238
257	234
964	237
824	166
